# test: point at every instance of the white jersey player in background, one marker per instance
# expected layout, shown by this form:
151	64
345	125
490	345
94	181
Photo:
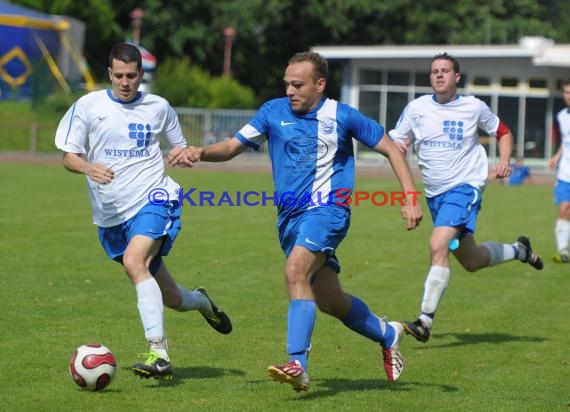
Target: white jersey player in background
443	129
561	160
112	136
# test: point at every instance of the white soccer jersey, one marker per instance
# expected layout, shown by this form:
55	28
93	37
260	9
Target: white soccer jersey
446	140
124	137
563	119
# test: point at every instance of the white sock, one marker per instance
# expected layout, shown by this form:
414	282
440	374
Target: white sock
434	287
160	346
150	309
501	252
562	232
192	300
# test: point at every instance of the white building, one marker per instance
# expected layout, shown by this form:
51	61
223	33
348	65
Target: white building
521	83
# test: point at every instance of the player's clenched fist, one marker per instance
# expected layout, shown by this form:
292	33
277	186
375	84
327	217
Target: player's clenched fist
184	157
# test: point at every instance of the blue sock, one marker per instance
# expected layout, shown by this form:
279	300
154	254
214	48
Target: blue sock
517	251
361	320
300	324
429	315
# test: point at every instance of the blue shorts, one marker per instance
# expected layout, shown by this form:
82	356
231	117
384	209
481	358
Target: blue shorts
154	221
561	192
320	229
457	207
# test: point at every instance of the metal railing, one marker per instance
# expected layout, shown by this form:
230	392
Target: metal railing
206	126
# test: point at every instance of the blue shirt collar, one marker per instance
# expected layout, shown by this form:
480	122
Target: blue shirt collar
113	98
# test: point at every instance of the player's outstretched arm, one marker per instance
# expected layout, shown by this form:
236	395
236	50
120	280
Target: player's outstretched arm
217	152
411	211
222	151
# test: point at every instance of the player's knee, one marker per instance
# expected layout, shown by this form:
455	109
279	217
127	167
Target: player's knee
130	264
294	275
438	250
565	211
134	268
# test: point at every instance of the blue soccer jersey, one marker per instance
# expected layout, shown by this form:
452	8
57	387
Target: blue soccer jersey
520	173
312	153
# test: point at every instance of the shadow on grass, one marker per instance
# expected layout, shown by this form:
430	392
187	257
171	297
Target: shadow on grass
477	338
321	388
198	372
331	387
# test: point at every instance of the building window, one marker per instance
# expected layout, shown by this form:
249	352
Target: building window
373	77
398	78
559	83
509	82
481	81
509	114
535	128
422	79
537	84
394	107
369	104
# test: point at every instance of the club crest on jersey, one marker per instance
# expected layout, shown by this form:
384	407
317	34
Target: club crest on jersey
141	132
327	127
306	149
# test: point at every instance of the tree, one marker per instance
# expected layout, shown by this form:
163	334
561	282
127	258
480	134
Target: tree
558	14
270	31
184	84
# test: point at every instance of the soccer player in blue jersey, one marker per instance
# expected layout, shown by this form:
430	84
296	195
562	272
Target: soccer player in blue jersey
520	173
112	137
443	127
310	140
561	162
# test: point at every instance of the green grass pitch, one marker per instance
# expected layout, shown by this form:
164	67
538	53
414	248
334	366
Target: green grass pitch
500	340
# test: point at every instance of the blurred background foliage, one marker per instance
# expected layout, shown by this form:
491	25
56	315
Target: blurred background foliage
187	36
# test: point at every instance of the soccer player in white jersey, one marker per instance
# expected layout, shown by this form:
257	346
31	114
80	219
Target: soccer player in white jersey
561	160
112	137
311	148
443	129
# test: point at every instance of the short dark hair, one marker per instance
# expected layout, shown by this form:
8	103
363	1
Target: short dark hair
320	64
448	57
127	53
